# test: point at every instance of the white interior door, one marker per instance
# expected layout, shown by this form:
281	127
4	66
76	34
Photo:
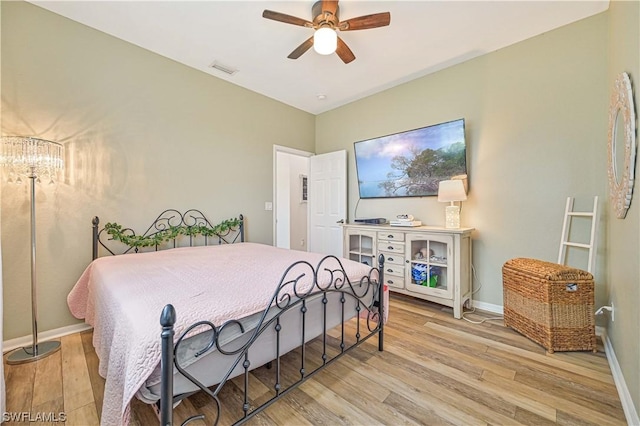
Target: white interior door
327	202
290	217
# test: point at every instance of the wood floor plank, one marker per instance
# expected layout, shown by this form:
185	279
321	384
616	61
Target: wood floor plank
522	390
20	379
540	356
358	396
282	414
48	413
82	416
77	388
337	405
256	387
590	360
472	382
434	370
409	305
410	386
553	365
142	414
97	382
490	332
415	414
354	383
447	349
474	401
601	398
48	380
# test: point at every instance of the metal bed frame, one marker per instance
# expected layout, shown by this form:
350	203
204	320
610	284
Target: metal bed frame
167	219
286	298
364	296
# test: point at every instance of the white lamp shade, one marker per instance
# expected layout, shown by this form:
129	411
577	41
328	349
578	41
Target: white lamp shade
325	41
451	190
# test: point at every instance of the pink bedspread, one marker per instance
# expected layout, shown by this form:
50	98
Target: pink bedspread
122	298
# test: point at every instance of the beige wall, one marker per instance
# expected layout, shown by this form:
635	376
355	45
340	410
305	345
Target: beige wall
623	254
142	133
536	117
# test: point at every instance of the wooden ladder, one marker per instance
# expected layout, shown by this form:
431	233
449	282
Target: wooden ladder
566	226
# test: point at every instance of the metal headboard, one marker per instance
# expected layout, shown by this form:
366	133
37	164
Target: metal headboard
165	221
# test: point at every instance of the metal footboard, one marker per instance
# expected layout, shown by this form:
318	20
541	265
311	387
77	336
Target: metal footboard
291	297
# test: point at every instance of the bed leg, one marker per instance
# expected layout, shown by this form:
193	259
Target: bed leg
167	320
381	306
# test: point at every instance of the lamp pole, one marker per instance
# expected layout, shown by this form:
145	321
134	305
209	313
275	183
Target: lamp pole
34	301
36	155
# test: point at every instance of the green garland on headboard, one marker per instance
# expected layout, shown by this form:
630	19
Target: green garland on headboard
116	232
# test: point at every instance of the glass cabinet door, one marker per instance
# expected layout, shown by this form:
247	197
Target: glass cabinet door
429	265
360	247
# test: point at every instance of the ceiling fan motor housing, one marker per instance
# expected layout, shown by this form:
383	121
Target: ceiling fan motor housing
326	17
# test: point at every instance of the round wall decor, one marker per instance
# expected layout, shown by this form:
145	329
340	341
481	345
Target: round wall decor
621	145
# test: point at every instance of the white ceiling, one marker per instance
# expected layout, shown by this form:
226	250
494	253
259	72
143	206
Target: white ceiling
423	37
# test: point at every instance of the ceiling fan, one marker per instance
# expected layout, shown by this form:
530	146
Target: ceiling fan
326	22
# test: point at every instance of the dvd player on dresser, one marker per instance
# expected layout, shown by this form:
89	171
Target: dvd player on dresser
372	221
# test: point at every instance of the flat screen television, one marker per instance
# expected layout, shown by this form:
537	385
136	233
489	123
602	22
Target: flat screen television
411	163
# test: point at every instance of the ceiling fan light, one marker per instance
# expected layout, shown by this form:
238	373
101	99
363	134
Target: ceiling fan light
325	41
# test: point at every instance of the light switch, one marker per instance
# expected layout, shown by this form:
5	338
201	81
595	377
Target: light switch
268	205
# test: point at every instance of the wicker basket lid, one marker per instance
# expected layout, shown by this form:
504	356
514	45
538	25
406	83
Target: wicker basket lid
548	270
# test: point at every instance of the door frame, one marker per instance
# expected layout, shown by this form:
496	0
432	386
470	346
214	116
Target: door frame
286	150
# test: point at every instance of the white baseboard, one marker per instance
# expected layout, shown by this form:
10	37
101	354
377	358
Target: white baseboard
18	342
488	307
630	412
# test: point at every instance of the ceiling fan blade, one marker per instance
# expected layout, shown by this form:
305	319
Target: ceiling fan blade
344	52
287	19
365	22
298	51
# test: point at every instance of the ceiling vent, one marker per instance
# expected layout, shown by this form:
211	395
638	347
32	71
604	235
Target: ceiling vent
224	68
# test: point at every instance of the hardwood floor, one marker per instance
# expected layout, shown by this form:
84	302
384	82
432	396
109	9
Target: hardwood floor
435	370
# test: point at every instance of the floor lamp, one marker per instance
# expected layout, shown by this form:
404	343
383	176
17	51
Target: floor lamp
33	158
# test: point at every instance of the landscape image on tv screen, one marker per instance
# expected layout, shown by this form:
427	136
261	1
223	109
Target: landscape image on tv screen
411	163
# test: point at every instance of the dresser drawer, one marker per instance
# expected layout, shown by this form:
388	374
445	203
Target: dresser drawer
391	269
391	236
394	281
395	258
390	247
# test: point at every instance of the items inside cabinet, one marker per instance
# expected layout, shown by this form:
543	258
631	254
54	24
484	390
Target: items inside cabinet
429	263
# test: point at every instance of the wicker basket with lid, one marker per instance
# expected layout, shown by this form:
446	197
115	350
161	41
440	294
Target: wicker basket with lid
551	304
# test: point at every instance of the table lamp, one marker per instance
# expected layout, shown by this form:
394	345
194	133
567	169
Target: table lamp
451	191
